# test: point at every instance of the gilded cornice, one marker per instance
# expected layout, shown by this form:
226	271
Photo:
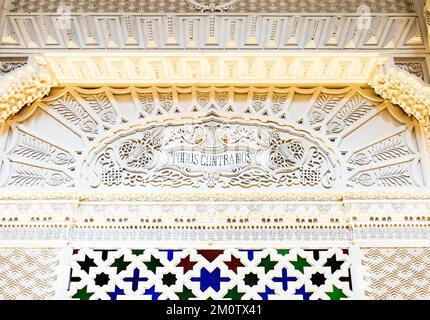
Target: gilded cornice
23	86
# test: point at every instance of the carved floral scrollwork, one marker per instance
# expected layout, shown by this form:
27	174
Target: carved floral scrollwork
140	153
286	154
215	154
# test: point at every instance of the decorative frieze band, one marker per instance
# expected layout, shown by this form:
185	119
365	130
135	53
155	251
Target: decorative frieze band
346	219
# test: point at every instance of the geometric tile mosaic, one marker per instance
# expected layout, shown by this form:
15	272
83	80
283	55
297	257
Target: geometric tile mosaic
200	274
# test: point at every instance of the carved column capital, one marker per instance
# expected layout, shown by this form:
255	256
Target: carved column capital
23	86
405	90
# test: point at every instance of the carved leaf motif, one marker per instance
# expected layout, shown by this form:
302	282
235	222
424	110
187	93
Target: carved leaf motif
147	101
278	101
34	149
202	98
62	158
55	179
389	150
166	100
73	112
101	105
394	177
259	99
68	108
221	98
392	148
353	111
30	177
323	105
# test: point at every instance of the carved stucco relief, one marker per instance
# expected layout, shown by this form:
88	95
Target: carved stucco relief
397	273
28	273
23	86
125	124
406	90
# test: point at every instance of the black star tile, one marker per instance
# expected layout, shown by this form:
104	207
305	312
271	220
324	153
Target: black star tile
87	264
334	264
169	279
101	279
318	279
251	279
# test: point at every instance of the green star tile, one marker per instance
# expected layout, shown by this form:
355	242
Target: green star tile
83	294
336	294
137	252
153	264
300	264
283	252
267	263
185	294
234	294
120	264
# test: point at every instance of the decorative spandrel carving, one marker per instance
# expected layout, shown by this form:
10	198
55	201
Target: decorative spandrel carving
391	176
35	149
32	176
270	137
214	153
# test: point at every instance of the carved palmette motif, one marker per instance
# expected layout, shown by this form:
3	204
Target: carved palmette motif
391	148
23	175
215	154
101	104
72	111
324	104
353	111
392	176
35	149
